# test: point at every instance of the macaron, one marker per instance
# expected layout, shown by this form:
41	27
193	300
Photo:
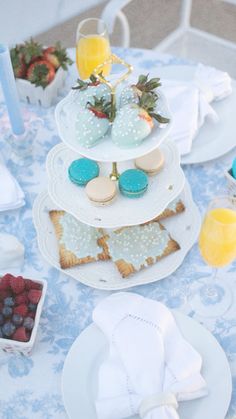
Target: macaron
133	183
234	168
101	190
83	170
151	163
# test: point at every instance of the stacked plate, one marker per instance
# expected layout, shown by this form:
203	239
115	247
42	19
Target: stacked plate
163	189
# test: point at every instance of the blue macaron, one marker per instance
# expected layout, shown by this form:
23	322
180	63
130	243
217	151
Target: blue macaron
83	170
234	168
133	183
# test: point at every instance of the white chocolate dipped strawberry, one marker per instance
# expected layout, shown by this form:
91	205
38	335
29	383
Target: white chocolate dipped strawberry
132	94
87	90
134	122
93	122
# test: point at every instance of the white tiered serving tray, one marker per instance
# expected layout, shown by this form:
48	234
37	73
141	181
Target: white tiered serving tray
66	113
184	228
162	189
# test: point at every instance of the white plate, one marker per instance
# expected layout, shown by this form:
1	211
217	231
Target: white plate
80	372
106	151
162	189
184	228
214	139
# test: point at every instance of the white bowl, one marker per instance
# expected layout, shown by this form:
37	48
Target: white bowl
25	348
36	95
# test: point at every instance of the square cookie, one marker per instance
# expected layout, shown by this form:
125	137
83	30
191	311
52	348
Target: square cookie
78	242
175	207
134	248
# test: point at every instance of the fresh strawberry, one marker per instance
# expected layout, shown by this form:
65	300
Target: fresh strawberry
93	123
18	61
22	299
57	56
22	309
32	51
21	335
17	284
41	73
32	285
134	122
34	296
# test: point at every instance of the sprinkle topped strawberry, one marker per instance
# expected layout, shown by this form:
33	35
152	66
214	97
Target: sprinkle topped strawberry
93	122
131	94
41	73
134	122
57	56
86	91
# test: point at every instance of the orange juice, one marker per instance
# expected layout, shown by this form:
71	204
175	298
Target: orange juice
91	51
217	240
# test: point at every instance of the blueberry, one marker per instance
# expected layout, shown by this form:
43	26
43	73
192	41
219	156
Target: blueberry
8	329
32	307
7	311
28	323
1	319
17	319
9	301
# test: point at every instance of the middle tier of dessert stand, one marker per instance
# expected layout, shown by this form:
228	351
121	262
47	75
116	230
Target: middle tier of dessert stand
164	188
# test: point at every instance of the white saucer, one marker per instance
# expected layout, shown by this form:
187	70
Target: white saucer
66	112
162	189
214	139
184	228
80	372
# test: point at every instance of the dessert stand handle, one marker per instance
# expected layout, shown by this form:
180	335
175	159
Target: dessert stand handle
113	59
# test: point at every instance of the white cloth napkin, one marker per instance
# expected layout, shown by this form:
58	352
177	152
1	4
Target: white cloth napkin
150	366
190	103
11	195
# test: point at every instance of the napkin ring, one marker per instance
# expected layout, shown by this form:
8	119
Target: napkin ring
157	400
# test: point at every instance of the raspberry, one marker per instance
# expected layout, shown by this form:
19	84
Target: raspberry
31	285
34	296
17	284
5	281
21	309
21	335
4	293
22	298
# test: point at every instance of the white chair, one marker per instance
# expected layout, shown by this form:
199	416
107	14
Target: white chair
186	41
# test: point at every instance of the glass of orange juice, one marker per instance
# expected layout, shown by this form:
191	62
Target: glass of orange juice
217	244
92	47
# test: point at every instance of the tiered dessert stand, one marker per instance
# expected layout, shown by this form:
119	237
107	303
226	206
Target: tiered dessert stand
162	190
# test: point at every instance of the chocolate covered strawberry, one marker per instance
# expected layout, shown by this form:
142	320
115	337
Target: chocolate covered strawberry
134	122
41	73
87	90
93	122
132	94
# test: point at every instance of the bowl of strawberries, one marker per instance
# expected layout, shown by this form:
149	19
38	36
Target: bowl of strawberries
21	302
40	72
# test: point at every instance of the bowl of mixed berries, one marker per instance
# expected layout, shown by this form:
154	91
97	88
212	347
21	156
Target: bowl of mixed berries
39	71
21	302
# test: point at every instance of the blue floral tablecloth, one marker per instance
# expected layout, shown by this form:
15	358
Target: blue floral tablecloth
30	387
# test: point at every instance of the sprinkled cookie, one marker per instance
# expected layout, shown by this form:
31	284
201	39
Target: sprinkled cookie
174	208
134	248
78	242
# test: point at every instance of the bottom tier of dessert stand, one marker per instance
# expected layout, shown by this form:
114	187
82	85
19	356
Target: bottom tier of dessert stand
162	189
184	228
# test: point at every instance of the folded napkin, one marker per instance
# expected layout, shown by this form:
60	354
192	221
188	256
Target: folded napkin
190	103
11	195
149	366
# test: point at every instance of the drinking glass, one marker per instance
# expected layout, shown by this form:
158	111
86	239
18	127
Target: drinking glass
92	47
217	243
